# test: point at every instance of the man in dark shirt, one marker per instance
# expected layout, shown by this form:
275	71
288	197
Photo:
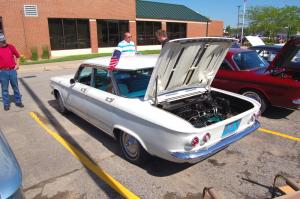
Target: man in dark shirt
9	63
162	37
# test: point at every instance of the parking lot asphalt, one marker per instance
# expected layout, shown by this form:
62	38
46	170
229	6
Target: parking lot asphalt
243	170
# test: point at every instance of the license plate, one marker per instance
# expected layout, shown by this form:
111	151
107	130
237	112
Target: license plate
231	128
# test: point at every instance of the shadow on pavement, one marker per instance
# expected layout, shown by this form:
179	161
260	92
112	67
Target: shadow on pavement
91	130
277	113
64	133
155	166
270	189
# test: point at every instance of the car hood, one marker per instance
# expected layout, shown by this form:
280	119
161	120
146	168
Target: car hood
10	172
185	63
255	40
286	54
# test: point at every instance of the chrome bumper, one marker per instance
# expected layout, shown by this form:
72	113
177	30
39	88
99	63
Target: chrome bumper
196	156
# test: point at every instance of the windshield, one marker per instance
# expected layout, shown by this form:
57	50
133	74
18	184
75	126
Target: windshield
133	84
249	60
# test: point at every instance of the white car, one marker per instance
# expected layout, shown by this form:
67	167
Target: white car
161	105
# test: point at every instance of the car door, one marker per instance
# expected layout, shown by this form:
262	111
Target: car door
77	98
101	104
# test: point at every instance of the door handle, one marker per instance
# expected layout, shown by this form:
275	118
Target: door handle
109	99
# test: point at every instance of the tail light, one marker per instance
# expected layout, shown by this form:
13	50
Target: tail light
195	141
258	114
206	138
254	117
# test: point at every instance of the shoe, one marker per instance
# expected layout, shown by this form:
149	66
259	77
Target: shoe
20	104
6	108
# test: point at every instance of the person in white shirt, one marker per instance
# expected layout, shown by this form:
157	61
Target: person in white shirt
127	46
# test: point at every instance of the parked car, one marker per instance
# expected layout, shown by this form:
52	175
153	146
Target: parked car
170	112
268	52
10	172
244	71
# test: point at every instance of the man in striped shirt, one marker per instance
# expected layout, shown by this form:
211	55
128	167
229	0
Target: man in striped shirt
127	46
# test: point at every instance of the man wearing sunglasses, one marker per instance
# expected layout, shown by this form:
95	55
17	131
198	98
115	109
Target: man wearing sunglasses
127	46
9	64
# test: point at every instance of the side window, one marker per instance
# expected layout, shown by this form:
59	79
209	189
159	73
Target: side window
102	81
85	75
225	66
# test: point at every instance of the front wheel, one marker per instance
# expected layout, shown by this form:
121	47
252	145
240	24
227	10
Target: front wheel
60	103
258	97
132	149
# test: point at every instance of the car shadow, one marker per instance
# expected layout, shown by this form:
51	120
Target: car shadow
55	123
155	166
161	168
91	130
277	112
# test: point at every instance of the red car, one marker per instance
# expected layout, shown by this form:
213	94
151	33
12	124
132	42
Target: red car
244	71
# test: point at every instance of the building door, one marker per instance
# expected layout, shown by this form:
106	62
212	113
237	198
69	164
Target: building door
1	25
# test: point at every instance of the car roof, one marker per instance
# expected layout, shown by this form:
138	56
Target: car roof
134	62
237	50
267	47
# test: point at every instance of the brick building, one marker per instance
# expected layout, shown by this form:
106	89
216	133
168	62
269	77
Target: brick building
79	27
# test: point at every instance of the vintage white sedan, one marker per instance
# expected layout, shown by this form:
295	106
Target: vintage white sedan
161	105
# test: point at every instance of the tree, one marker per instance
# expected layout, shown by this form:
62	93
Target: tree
228	29
272	21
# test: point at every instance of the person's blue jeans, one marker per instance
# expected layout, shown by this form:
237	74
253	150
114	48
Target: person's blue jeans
6	77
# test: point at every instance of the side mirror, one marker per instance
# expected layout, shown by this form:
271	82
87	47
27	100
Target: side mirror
72	81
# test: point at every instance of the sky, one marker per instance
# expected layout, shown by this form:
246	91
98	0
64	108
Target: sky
227	10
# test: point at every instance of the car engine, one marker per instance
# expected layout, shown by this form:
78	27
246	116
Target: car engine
201	110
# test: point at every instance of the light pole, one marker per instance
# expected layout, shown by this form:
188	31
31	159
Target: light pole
243	23
238	23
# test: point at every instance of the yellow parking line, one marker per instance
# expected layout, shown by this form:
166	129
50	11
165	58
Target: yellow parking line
279	134
86	161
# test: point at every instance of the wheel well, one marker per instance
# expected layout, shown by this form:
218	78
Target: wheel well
117	133
56	93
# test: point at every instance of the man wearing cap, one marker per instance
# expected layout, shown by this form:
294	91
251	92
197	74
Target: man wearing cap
9	63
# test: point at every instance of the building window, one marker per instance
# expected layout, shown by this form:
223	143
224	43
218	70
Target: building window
176	30
69	34
1	25
146	32
110	32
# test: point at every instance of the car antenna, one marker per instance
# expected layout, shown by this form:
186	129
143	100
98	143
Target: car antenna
155	94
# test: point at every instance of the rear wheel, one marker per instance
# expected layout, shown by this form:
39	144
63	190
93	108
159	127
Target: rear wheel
132	149
60	103
258	97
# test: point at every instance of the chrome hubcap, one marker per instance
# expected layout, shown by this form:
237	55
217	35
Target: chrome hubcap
130	145
253	95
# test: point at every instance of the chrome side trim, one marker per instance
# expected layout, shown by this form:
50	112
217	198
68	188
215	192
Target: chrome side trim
196	156
296	101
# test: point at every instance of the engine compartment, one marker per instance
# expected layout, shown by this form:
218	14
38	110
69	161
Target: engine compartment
206	109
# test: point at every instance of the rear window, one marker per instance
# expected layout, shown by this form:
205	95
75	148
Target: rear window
249	60
133	84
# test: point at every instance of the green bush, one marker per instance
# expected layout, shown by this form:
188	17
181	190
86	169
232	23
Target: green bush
269	41
45	54
22	59
34	54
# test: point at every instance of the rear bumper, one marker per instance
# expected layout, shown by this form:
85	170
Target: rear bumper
196	156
